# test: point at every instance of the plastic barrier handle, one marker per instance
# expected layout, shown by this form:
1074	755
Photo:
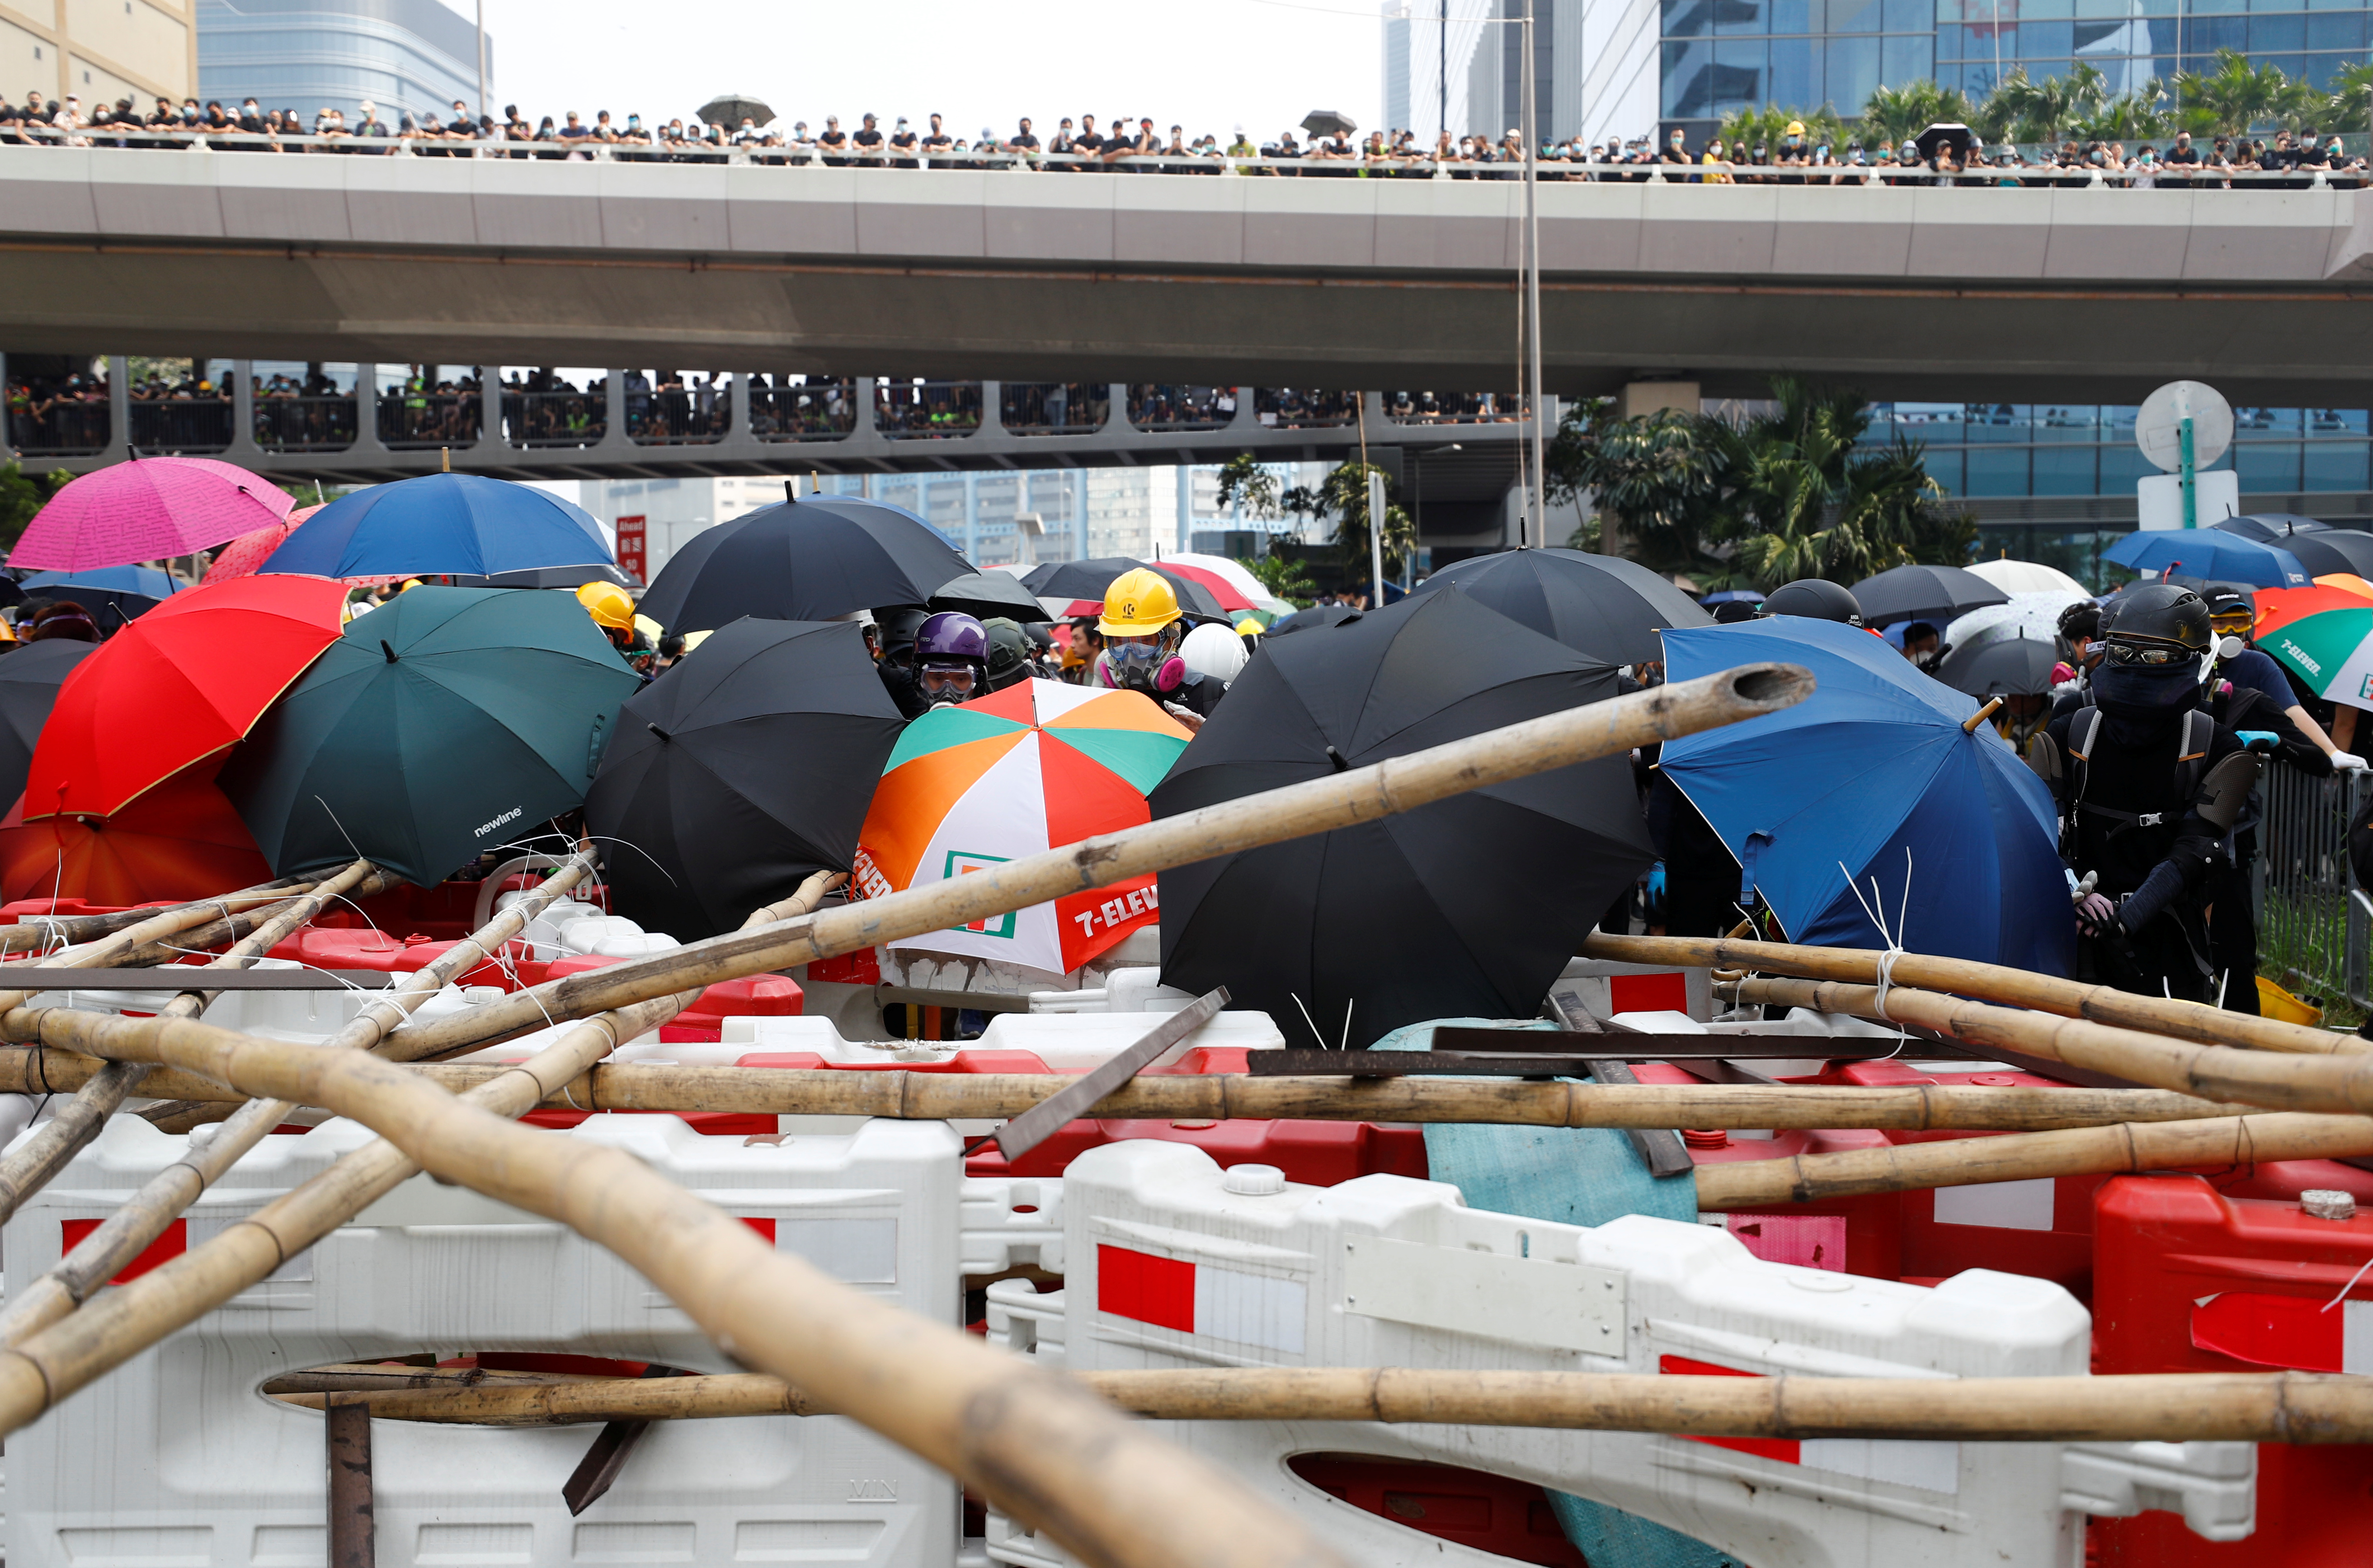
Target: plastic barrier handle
1050	1116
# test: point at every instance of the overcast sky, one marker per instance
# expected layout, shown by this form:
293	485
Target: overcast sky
1208	64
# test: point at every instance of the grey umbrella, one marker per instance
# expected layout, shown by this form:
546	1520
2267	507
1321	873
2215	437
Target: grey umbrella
731	108
1327	122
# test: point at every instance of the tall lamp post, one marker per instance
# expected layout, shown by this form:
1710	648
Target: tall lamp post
1531	281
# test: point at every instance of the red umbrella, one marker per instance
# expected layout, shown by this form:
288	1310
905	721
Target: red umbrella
146	509
185	681
1229	596
181	840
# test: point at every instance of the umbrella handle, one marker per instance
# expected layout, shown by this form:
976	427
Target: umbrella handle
1970	725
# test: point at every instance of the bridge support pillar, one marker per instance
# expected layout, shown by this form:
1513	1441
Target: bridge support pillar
242	450
491	447
367	411
1640	398
119	408
7	435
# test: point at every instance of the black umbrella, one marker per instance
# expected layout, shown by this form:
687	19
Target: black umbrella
1327	122
741	771
810	559
551	576
1601	605
1316	617
733	108
2002	666
987	595
28	686
1470	905
1924	594
2331	550
2270	528
1087	580
1946	133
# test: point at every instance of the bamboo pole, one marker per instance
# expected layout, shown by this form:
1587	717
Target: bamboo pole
45	932
392	1006
32	1162
233	927
1039	1449
143	1217
1362	795
1988	982
2219	1142
2279	1407
935	1096
2333	1083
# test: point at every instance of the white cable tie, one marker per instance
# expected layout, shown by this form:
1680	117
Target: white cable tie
2336	1300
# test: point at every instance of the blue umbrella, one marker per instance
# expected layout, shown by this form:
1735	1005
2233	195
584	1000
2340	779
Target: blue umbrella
113	595
2209	554
1732	596
460	523
1873	764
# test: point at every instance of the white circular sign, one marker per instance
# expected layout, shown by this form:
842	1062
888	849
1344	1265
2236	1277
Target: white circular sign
2159	425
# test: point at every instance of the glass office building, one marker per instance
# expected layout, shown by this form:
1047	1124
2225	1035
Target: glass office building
406	56
2055	482
1720	56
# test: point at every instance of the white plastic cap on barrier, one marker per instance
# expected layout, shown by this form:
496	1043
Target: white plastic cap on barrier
1253	1181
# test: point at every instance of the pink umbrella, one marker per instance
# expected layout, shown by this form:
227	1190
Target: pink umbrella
146	509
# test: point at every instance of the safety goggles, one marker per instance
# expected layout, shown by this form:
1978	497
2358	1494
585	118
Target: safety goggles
1145	654
939	679
2152	655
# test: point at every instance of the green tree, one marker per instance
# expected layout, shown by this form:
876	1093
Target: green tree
1807	502
1247	482
2047	111
22	495
1895	115
1769	126
2352	93
2132	118
2237	96
1657	475
1289	581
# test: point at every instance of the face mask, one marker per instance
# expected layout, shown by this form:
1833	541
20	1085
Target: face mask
2162	688
1143	667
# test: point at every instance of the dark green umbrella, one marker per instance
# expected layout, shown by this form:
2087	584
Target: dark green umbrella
448	721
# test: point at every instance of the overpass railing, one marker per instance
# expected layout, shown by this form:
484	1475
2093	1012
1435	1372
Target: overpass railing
1308	164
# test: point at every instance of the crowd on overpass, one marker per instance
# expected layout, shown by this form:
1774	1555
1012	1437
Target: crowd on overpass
1124	145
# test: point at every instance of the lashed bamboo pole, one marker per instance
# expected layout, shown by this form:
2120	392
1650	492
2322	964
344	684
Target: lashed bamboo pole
1042	1451
234	927
46	932
389	1008
143	1217
1988	982
2333	1083
1342	799
2280	1407
2027	1156
28	1166
935	1096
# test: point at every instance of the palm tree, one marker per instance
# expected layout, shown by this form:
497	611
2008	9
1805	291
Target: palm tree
1808	504
1244	481
2238	95
2133	117
1895	115
1769	125
2044	110
1659	475
2352	94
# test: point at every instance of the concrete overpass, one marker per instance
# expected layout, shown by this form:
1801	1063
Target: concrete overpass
2085	295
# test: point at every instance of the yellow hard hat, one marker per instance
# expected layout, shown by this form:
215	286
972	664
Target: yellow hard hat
1139	603
409	584
1250	626
1796	127
8	632
610	607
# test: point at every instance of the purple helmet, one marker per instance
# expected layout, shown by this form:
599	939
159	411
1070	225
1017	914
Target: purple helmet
951	633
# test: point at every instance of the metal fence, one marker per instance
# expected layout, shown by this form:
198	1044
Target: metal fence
2314	922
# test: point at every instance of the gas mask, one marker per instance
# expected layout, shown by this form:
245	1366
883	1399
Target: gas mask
1148	667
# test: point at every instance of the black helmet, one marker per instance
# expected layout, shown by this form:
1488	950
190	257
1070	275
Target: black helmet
1009	653
1816	599
2081	622
900	623
2158	618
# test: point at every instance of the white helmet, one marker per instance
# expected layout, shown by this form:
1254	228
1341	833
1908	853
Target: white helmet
1215	650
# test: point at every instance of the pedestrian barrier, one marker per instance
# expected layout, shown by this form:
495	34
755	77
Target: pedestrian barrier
2190	1278
1175	1263
175	1460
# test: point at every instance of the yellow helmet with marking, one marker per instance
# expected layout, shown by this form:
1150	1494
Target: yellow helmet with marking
1140	602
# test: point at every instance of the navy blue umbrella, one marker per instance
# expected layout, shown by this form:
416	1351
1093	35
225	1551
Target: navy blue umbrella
464	524
1873	777
112	594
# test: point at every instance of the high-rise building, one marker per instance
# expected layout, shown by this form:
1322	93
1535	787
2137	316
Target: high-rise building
1460	64
405	56
98	51
1723	56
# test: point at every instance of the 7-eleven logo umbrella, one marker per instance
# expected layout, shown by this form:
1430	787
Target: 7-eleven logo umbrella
1030	768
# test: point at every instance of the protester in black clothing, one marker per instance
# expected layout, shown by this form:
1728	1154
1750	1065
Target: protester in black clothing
938	144
1022	141
868	140
2149	790
899	626
834	140
1087	145
902	141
